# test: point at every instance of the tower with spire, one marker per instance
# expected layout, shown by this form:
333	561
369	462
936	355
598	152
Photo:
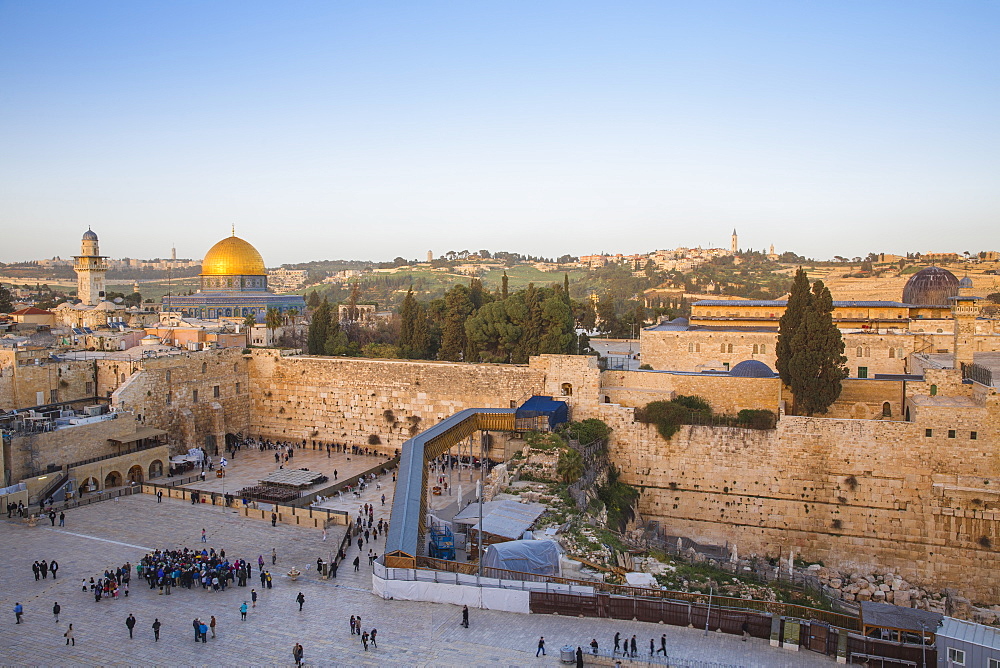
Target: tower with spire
91	268
735	244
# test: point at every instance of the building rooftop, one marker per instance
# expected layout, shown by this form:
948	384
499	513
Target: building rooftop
781	303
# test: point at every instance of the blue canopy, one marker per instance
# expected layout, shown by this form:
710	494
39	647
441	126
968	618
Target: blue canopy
539	406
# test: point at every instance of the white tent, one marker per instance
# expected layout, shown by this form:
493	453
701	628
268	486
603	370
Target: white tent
540	557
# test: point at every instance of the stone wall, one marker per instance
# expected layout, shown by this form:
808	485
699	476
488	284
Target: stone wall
726	394
855	494
22	385
348	400
197	397
32	455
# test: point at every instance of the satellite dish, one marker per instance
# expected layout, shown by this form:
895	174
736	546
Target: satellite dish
118	300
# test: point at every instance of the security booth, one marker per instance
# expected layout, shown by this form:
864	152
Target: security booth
962	643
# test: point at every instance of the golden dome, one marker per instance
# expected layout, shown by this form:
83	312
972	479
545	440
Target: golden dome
233	257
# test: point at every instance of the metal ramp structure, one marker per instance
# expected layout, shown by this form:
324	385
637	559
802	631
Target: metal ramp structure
409	504
442	543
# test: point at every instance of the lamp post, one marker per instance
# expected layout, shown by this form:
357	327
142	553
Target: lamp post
923	646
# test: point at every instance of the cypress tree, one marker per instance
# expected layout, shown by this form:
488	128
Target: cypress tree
798	303
816	367
566	289
318	329
407	323
503	286
458	307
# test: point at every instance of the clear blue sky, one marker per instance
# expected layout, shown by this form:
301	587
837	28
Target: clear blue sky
375	129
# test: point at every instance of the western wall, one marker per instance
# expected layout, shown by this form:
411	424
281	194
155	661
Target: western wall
856	489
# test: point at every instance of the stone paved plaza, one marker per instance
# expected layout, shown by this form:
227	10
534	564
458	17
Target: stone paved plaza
107	534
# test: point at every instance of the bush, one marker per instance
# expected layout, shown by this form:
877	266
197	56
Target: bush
618	498
645	367
544	440
757	419
588	431
668	416
693	403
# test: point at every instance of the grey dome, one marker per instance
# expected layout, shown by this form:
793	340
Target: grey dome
89	235
751	369
966	282
930	287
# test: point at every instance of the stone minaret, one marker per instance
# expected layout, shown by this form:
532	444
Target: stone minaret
735	245
964	310
90	270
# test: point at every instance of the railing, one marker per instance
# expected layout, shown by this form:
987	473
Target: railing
977	373
773	607
117	454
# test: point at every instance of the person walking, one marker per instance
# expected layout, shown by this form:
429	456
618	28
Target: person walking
52	517
211	624
465	616
18	611
652	647
633	647
357	563
541	646
130	623
300	599
663	645
579	657
197	629
274	556
274	517
204	538
36	570
203	628
371	638
70	636
297	653
156	630
263	578
44	568
62	519
53	567
618	637
243	611
364	640
267	574
159	496
56	610
253	598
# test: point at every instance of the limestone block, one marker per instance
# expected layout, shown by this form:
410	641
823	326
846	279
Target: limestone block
901	598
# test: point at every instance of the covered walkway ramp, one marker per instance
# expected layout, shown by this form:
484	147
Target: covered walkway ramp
409	505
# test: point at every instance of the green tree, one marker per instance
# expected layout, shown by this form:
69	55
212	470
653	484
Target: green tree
414	339
558	335
503	286
249	320
336	342
816	367
319	327
565	294
798	302
291	314
272	319
313	301
352	302
6	303
607	316
458	307
570	465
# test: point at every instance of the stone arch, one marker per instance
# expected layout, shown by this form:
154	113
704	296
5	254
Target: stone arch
155	469
90	484
113	479
886	409
135	474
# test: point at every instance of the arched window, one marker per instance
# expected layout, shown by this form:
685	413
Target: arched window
204	367
722	348
861	351
886	410
933	390
868	351
892	353
762	351
567	389
900	353
730	348
123	378
755	349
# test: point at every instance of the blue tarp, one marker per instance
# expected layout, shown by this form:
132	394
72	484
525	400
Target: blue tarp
538	406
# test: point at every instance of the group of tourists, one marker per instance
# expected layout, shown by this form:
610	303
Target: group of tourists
19	508
42	568
112	584
188	568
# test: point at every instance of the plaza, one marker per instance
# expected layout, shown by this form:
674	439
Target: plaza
107	534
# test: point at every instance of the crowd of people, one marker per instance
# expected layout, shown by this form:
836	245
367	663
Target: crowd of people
189	568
